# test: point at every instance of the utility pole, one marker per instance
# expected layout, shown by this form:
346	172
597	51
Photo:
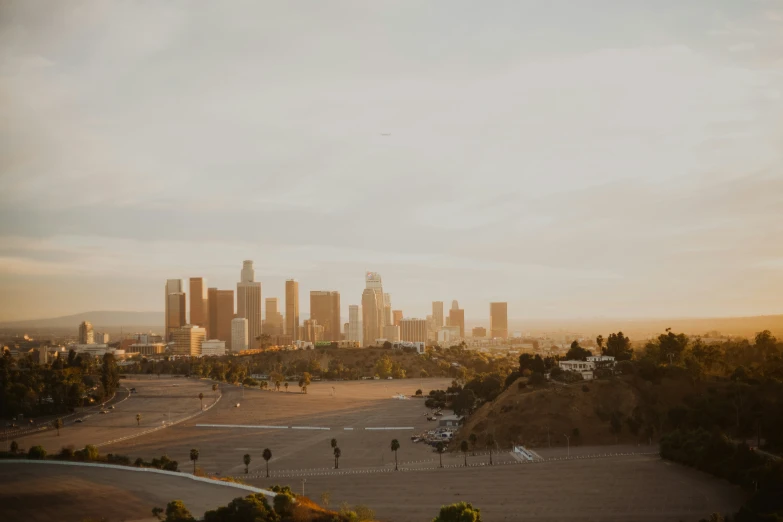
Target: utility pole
568	443
303	483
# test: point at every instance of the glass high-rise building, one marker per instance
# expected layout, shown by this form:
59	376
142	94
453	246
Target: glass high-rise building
292	309
325	309
249	302
498	320
198	301
372	308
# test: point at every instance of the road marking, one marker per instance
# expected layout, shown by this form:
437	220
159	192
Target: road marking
392	428
259	427
308	428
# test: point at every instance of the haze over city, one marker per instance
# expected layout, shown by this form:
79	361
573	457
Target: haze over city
574	161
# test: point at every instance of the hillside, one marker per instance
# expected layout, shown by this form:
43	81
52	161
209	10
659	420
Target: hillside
523	415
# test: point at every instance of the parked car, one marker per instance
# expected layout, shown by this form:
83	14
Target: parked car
79	420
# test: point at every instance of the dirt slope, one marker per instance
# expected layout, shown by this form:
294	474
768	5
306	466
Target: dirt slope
524	415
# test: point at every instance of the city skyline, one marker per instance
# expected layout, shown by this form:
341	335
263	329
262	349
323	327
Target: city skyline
630	161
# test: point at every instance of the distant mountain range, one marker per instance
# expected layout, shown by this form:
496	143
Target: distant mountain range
99	319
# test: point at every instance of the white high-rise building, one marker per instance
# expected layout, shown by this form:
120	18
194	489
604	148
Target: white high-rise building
373	308
239	334
355	330
249	302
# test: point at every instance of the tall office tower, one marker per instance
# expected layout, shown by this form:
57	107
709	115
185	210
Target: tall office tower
457	318
86	334
413	330
437	314
198	301
498	320
221	312
312	331
187	340
355	329
176	311
273	322
387	311
249	302
211	325
239	334
372	308
391	332
292	309
454	305
325	308
396	317
173	286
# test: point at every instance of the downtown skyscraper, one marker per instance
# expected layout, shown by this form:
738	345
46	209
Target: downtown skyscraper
373	308
175	306
355	328
325	308
198	301
249	302
292	309
498	320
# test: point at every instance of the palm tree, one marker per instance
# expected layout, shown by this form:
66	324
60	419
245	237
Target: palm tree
57	425
277	385
464	448
286	386
440	448
473	439
395	445
267	455
138	419
246	460
337	455
201	398
194	458
490	445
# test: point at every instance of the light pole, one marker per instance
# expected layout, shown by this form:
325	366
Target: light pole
303	483
568	443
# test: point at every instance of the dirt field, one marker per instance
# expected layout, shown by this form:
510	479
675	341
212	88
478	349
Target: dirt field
334	405
597	488
50	492
622	488
157	400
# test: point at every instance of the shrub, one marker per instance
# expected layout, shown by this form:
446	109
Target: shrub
66	452
363	513
283	504
585	388
90	452
36	453
139	462
460	512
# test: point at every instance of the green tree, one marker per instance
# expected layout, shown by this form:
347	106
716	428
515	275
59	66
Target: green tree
306	379
473	439
110	375
618	346
383	367
177	512
246	460
36	453
490	445
440	448
57	424
463	447
138	419
325	498
464	403
194	458
252	508
363	513
600	342
337	455
532	363
14	446
395	445
577	353
461	512
214	387
766	344
671	346
157	512
286	386
267	454
201	398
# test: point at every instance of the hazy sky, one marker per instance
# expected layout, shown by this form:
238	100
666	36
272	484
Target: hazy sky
576	159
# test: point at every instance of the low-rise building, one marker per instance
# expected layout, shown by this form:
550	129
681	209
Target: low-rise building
583	367
146	348
213	347
602	361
